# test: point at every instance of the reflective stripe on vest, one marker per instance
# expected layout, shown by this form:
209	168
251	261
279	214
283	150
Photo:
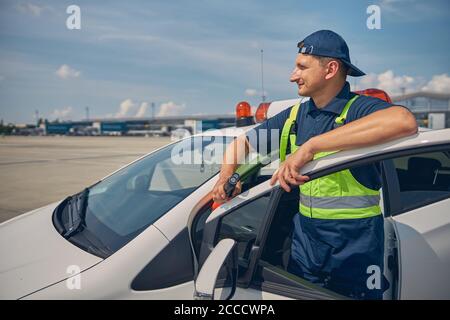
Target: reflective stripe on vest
339	202
335	196
287	133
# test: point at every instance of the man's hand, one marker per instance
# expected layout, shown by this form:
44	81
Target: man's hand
235	153
218	192
288	172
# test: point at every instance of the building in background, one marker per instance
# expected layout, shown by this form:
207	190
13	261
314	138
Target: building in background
159	126
432	110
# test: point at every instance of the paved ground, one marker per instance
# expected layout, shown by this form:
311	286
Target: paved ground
35	171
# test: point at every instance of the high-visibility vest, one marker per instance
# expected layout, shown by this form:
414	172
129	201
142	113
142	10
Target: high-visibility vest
335	196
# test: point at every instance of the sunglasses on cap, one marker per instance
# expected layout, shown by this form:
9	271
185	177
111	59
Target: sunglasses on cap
304	49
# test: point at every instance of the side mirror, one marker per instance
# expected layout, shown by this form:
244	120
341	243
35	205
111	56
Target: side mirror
218	275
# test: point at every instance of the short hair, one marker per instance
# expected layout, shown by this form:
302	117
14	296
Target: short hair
342	67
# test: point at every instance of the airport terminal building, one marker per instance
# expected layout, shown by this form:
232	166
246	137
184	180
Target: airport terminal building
159	126
432	110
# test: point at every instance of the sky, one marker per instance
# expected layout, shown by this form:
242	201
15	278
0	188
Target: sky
201	57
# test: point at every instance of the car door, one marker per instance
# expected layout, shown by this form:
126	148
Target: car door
416	205
420	202
245	220
267	277
265	249
416	236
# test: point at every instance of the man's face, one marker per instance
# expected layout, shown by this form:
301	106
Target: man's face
309	74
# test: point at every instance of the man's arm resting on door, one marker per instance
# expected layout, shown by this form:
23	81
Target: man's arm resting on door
376	128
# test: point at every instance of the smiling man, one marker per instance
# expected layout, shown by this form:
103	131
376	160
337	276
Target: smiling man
332	248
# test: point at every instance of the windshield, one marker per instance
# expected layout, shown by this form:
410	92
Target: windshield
124	204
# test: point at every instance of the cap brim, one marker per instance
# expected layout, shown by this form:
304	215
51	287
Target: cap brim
352	70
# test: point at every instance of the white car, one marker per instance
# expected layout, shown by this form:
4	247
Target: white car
148	231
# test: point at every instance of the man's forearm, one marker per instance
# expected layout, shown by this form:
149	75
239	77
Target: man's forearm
378	127
234	155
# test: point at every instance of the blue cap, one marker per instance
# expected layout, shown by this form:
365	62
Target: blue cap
326	43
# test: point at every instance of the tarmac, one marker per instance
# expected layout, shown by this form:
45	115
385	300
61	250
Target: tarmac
39	170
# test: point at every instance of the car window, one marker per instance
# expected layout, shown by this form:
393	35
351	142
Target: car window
169	176
423	178
277	246
257	177
257	170
243	225
127	202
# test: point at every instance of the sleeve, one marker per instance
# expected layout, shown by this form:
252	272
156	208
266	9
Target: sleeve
262	137
368	175
365	105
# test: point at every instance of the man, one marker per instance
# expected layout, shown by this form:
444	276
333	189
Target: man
330	247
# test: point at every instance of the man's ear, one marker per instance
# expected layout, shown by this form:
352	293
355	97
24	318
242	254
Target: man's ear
332	69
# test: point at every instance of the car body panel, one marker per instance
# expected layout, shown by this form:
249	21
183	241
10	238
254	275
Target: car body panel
239	199
176	219
278	106
34	255
424	239
112	278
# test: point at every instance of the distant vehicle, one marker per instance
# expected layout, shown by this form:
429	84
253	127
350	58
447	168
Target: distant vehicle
148	230
28	131
84	131
179	134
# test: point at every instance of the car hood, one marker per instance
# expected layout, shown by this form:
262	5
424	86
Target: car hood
33	255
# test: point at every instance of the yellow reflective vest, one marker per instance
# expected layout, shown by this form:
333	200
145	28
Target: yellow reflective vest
335	196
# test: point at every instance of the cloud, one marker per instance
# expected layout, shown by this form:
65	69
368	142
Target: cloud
251	92
389	82
125	107
65	72
255	45
439	83
62	114
395	85
142	110
30	8
170	109
254	93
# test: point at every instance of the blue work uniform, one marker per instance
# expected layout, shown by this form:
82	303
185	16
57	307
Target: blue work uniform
333	253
